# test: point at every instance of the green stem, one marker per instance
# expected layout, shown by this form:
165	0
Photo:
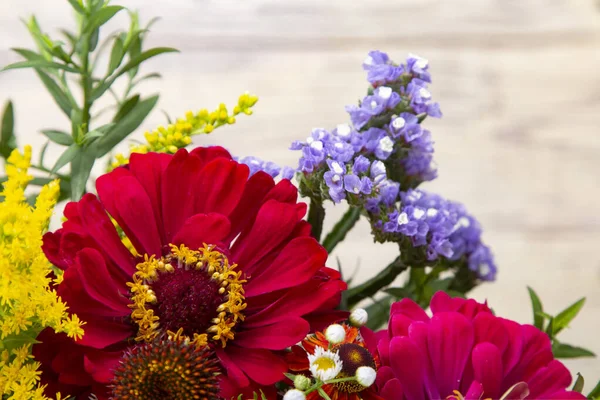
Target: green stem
343	226
316	215
347	379
373	285
323	394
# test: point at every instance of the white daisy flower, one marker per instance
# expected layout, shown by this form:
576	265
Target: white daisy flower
325	364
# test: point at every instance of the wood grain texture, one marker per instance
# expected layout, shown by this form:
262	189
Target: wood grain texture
517	81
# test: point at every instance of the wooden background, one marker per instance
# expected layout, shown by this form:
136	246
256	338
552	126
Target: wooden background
517	80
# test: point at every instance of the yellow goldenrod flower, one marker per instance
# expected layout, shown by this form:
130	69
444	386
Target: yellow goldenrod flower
179	134
28	304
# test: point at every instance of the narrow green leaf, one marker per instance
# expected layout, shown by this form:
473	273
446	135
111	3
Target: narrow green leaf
563	350
536	304
8	141
28	54
94	37
97	133
379	312
341	229
125	126
70	37
76	120
39	64
578	385
564	318
595	393
103	87
550	328
116	55
135	49
77	6
378	282
398	292
58	137
81	167
66	157
126	107
59	96
101	17
43	153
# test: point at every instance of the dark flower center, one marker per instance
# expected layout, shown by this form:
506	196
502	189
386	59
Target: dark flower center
186	299
190	294
353	356
166	369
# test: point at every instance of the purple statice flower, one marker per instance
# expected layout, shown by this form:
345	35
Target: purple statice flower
377	142
334	179
382	100
380	70
444	227
339	150
418	67
313	150
355	185
406	125
361	165
419	160
420	98
255	165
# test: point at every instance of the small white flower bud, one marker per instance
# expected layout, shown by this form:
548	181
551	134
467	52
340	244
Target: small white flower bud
294	394
335	334
365	376
302	382
359	317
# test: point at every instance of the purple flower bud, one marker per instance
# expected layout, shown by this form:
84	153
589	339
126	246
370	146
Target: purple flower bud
352	183
361	164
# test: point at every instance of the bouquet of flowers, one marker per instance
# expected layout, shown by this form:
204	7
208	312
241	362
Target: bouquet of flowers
186	272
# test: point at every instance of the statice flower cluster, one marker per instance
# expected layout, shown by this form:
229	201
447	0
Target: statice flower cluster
444	227
385	134
256	164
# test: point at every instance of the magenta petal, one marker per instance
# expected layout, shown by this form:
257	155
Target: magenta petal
203	228
487	367
410	309
450	342
234	373
489	328
278	336
392	390
299	260
514	348
101	364
475	391
419	334
565	395
409	373
519	391
137	214
98	282
262	366
100	334
547	380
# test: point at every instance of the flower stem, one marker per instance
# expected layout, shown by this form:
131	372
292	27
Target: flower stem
373	285
316	215
341	229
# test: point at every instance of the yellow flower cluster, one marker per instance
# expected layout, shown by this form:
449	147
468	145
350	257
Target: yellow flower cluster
179	134
28	304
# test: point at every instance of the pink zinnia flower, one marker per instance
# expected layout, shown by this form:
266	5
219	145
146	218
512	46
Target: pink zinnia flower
463	349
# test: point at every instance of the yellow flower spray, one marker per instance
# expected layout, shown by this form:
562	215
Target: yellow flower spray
28	304
179	134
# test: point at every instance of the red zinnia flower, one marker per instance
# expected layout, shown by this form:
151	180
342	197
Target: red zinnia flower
220	259
359	348
464	348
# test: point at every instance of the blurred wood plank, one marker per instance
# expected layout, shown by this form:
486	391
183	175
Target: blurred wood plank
517	81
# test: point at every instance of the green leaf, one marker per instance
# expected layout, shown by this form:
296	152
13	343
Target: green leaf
103	87
15	341
77	6
28	54
59	96
564	318
116	55
595	393
536	304
39	64
94	37
563	350
316	215
43	154
550	328
398	292
58	137
8	141
81	167
578	385
341	229
373	285
379	312
101	17
135	49
125	126
126	107
66	157
97	133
